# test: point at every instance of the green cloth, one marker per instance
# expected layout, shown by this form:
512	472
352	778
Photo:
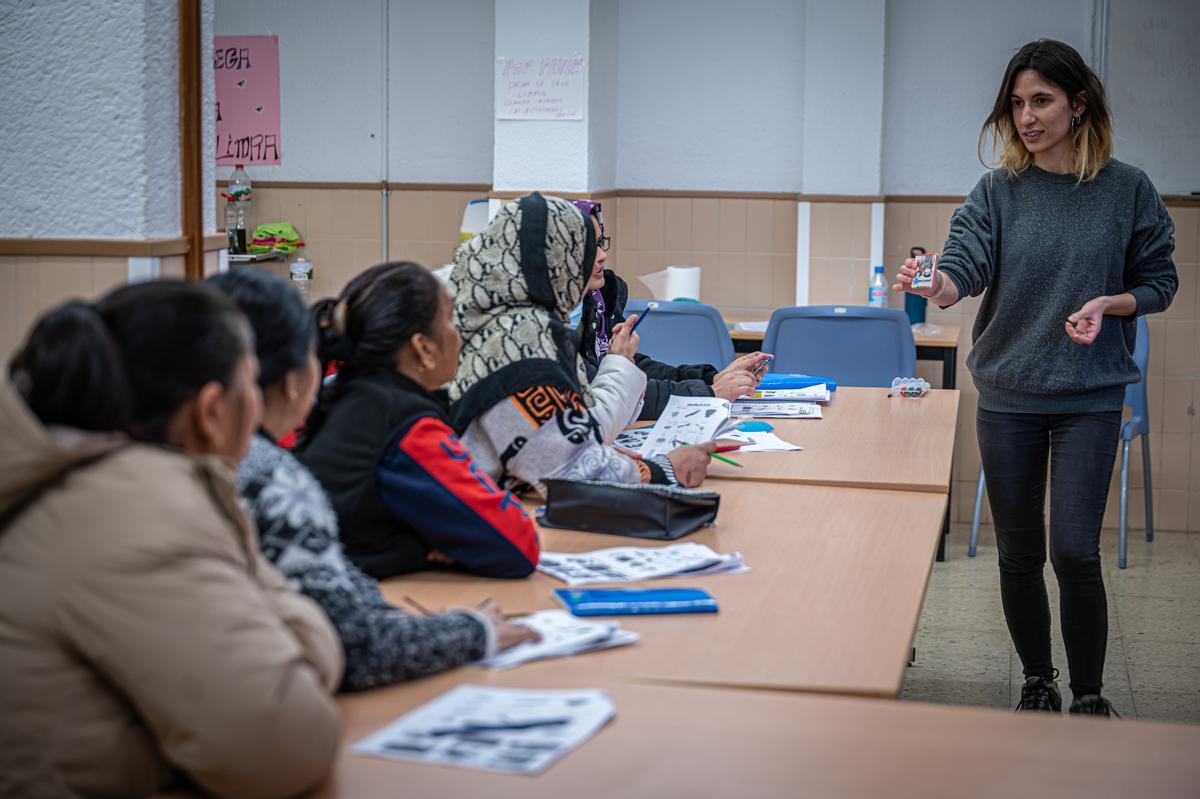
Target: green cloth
275	236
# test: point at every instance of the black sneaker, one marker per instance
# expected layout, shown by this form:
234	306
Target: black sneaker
1041	693
1093	705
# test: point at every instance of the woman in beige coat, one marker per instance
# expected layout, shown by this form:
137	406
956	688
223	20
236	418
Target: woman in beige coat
142	636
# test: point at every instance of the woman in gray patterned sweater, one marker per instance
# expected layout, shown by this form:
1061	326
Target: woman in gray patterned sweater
297	525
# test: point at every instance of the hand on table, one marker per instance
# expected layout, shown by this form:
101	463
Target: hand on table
690	463
508	634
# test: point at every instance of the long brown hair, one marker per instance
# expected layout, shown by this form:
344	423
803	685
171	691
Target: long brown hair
1061	65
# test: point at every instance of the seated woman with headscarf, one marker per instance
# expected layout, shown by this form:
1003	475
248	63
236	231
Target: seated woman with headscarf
522	401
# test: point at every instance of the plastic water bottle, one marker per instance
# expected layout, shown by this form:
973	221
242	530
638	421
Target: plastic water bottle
302	276
237	209
877	294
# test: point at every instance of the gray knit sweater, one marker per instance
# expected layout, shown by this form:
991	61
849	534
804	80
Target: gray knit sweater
1042	245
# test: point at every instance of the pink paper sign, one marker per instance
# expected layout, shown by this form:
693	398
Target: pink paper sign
247	78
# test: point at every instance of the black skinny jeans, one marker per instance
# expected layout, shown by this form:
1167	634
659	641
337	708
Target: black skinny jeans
1081	448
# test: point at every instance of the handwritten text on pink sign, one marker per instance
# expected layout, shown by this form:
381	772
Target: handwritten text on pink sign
247	81
540	88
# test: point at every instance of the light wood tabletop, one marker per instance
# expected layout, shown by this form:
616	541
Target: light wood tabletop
676	741
831	604
865	440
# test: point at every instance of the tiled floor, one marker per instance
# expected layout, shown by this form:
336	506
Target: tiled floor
965	655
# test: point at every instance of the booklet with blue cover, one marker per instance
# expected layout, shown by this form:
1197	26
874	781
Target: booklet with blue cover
635	601
773	381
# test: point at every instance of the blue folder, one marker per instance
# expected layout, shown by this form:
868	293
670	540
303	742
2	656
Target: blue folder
779	381
635	601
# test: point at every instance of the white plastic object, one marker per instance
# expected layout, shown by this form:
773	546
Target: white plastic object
909	387
302	276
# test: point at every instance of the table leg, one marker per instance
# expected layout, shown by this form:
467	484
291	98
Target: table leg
949	366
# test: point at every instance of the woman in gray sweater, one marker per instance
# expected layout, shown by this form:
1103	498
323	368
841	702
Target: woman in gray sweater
1071	247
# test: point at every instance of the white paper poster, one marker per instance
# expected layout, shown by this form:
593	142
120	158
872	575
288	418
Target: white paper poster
547	87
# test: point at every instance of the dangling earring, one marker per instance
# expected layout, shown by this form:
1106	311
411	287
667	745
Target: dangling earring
1074	123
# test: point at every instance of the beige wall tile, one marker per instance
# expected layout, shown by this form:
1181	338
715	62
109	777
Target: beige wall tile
732	225
828	283
855	224
677	258
1179	359
443	253
1178	409
677	223
858	281
760	221
731	279
1183	305
108	273
1175	472
1193	511
9	332
318	214
822	240
706	217
710	278
173	266
783	280
410	216
650	220
366	252
1154	399
783	226
1194	470
759	281
1158	332
627	223
1187	234
447	214
1170	510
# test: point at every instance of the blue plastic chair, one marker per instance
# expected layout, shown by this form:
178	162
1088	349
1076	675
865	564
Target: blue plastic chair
854	345
682	333
1138	425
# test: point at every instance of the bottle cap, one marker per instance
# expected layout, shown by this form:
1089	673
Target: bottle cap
239	166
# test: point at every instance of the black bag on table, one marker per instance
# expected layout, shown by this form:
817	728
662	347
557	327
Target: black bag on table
638	510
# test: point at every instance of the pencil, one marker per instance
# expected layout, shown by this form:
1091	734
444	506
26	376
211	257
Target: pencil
730	461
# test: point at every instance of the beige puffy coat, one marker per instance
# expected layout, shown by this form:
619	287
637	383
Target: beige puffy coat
141	632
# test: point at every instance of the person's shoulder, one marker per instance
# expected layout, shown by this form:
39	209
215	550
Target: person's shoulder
1125	174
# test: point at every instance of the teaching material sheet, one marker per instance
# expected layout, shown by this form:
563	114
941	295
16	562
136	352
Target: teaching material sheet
687	420
760	442
628	564
777	410
514	730
817	393
562	635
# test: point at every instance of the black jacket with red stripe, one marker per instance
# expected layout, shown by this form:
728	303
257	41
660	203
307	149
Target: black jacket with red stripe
404	485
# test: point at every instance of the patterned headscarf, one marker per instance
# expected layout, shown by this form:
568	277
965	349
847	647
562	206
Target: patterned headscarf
514	286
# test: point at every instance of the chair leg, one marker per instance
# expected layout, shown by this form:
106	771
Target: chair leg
1124	503
1149	493
975	517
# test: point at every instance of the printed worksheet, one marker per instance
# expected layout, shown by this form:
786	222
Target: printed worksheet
687	420
777	410
629	564
817	393
495	729
759	442
563	635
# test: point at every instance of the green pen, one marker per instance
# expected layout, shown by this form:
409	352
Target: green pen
730	461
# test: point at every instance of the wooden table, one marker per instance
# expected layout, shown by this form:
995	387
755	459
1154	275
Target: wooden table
832	603
866	440
942	347
674	741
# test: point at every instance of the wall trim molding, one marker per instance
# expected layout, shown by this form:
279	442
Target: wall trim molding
108	248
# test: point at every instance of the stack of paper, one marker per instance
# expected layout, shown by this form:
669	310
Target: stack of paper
818	393
628	564
562	635
496	729
774	409
760	441
686	420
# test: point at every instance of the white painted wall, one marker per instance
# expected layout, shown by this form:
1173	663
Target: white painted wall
1154	88
602	96
440	112
549	155
944	62
710	94
843	97
330	83
89	120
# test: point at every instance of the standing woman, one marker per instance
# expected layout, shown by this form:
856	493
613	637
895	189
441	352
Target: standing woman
1071	246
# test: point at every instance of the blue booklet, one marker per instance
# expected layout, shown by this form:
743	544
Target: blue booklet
635	601
773	381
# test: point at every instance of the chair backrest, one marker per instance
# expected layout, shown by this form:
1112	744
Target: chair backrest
683	332
1135	393
854	345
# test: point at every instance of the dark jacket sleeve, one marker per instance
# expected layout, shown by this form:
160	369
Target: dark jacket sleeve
664	381
429	480
967	254
1150	274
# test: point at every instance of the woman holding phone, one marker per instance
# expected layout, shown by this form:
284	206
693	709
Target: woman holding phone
1071	245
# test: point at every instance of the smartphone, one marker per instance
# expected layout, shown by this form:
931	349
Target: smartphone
926	269
650	306
762	366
